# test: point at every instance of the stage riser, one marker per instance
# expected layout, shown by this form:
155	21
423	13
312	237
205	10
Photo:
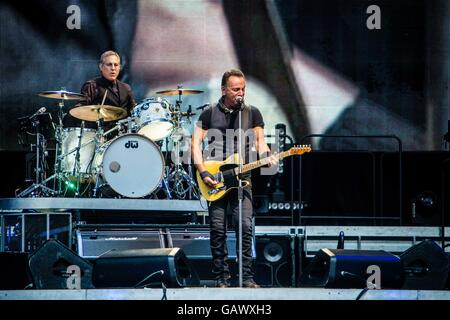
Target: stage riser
337	188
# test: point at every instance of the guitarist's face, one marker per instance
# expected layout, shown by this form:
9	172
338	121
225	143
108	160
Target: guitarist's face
235	88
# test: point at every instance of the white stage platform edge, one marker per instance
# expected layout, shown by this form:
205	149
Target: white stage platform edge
229	294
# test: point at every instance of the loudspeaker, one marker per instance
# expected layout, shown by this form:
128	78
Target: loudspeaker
94	243
53	266
15	273
422	190
340	268
144	268
339	188
197	248
426	266
275	261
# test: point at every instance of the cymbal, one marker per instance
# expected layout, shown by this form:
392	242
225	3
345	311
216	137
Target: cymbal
97	112
62	95
172	92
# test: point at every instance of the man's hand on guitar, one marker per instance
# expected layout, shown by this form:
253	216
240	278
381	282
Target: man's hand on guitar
273	160
208	179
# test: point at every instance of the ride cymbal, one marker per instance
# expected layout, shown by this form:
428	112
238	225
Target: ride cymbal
97	112
172	92
62	95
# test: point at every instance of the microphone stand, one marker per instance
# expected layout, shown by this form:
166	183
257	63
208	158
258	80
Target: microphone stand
240	193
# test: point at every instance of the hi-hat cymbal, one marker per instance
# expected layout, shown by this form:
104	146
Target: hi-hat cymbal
97	112
62	95
172	92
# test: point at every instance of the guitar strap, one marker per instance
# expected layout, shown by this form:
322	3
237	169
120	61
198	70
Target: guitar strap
245	116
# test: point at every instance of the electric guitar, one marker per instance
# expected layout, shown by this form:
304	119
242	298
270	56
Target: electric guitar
226	172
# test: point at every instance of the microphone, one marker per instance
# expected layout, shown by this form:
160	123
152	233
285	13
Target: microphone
40	111
202	107
240	102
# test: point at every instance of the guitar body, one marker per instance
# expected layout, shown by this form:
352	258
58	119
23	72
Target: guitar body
224	173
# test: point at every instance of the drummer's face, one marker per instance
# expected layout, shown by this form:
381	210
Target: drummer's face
110	67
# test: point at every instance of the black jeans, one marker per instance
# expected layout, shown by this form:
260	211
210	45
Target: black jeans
218	233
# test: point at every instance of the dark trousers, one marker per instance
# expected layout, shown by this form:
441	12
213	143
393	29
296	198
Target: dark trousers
218	233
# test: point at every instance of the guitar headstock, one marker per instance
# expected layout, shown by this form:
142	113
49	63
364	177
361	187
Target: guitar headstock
301	149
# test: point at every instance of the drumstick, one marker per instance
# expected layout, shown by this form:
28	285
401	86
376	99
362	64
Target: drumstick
104	97
103	101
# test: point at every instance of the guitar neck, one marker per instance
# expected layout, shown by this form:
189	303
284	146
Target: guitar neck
262	162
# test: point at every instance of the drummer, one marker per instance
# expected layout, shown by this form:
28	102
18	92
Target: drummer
105	90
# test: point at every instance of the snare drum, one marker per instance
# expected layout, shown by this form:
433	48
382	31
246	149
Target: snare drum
153	118
71	140
131	164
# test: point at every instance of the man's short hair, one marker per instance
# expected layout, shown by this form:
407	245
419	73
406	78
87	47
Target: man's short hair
107	54
229	73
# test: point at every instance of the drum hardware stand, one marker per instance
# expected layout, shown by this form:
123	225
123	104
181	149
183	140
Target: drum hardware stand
59	140
176	172
59	132
98	139
77	166
41	153
58	128
178	175
164	185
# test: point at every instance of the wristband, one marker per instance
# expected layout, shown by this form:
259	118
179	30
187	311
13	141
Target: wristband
206	174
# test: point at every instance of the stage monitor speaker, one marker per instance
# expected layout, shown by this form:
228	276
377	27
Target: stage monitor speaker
340	268
197	248
144	268
54	266
426	266
15	273
274	261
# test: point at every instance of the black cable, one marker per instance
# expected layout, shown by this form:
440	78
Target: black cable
363	292
164	297
148	277
29	286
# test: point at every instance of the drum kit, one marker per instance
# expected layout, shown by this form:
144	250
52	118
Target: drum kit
130	164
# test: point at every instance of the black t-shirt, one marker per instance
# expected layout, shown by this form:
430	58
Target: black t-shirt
222	135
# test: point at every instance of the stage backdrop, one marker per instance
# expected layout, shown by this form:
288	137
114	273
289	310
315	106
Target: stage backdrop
321	67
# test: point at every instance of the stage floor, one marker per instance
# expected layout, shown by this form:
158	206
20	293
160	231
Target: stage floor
230	294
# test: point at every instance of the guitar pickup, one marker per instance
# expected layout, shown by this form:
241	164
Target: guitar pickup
218	177
216	190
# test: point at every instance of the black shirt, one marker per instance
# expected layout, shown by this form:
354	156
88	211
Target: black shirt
223	141
119	94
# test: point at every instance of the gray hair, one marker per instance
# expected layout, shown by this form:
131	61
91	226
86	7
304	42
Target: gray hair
107	54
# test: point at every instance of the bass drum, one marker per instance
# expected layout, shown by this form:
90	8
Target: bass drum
131	165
